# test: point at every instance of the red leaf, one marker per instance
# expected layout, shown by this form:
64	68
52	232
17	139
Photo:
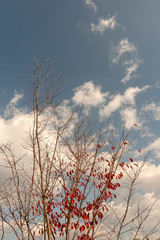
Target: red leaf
100	215
87	224
59	225
82	183
82	228
75	225
89	207
131	159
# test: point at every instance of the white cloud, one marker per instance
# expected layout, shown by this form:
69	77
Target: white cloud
89	94
124	46
147	132
146	192
129	115
154	108
91	5
140	201
11	107
129	70
118	100
123	50
154	147
65	112
149	178
130	94
112	106
14	130
104	24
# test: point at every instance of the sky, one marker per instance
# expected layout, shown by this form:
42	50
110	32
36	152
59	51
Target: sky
110	50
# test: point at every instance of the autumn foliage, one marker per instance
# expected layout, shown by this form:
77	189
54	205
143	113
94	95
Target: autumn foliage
75	173
86	181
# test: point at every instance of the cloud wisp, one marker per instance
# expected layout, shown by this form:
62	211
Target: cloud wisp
124	46
126	54
11	106
91	5
104	24
130	69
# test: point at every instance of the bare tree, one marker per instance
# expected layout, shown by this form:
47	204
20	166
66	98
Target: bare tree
16	198
74	175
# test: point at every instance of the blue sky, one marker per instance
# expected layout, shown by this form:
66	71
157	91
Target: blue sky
75	34
111	52
62	30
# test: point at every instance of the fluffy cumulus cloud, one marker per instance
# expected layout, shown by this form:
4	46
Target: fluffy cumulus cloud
91	5
149	178
64	113
153	108
64	110
104	24
14	131
129	115
153	147
16	123
118	100
126	54
89	94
